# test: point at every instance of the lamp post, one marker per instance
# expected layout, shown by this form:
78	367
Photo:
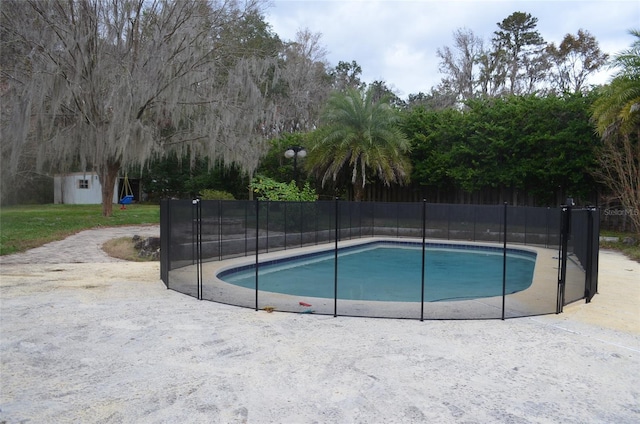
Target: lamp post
295	152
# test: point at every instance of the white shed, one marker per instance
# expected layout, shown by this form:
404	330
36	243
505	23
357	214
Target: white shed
80	188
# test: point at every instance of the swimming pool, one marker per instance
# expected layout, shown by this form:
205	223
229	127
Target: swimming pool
392	271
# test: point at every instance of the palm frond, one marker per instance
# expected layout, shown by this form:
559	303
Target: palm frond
359	136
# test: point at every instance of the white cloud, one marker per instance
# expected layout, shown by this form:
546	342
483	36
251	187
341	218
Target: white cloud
396	41
399	58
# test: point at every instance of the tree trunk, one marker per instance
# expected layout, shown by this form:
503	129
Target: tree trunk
358	190
107	174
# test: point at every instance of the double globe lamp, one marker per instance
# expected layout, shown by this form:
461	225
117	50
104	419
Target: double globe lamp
295	152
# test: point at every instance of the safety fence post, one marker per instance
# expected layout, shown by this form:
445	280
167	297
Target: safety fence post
335	260
448	223
257	203
165	240
591	268
220	213
246	229
197	242
424	236
397	219
504	260
267	226
565	222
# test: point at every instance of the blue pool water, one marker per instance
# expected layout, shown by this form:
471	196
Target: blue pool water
392	272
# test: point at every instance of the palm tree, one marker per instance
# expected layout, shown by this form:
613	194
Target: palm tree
359	135
616	114
619	103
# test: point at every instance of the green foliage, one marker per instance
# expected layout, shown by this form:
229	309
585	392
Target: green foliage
433	134
540	145
269	189
180	178
25	227
208	194
347	75
25	188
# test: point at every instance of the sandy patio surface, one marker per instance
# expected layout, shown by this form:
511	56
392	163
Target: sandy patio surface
103	341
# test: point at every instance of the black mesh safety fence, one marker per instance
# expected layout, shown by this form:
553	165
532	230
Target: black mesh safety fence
538	228
593	254
381	259
576	253
178	246
233	230
581	280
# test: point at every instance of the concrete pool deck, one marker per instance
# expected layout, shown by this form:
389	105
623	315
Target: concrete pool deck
104	341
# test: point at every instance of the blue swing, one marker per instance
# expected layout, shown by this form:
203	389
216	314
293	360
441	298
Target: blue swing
126	194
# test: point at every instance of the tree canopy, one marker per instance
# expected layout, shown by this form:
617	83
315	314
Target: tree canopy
574	60
106	84
110	85
517	61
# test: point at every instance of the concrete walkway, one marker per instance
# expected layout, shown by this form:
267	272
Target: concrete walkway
105	342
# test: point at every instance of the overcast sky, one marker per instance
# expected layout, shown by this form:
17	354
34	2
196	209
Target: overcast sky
396	41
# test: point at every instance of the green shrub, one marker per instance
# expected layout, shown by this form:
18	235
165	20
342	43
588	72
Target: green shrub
209	194
269	189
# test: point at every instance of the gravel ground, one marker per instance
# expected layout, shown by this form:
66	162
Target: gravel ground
90	339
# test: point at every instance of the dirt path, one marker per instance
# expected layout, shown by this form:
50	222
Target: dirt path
83	247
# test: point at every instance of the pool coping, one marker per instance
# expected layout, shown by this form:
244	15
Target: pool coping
538	299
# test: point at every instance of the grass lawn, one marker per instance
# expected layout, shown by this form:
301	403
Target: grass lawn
632	251
26	227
